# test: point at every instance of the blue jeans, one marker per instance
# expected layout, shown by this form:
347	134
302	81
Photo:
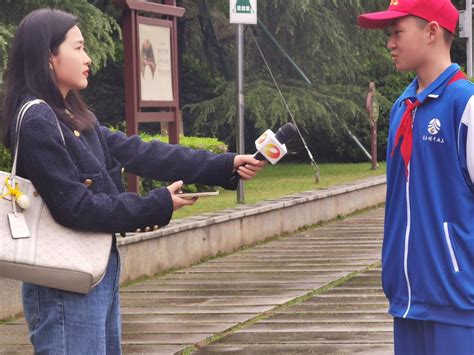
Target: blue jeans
418	337
62	322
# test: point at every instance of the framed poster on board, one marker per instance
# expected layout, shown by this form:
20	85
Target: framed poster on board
154	62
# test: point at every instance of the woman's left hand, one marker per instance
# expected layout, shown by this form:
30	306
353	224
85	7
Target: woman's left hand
247	166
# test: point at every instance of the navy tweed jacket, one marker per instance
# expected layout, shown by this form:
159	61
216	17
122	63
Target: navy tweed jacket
81	180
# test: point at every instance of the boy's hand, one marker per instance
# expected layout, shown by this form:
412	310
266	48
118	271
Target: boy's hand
179	202
247	166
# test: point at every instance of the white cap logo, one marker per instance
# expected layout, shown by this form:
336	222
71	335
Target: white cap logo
434	126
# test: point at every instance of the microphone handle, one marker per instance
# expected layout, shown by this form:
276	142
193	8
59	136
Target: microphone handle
259	156
234	180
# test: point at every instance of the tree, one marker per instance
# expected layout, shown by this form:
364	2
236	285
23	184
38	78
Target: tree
102	37
325	41
97	28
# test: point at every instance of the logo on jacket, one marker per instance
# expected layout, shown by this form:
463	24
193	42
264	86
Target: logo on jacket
434	126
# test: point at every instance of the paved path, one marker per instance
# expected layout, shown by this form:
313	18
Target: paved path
201	303
350	318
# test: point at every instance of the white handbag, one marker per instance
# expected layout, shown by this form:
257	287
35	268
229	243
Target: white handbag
35	248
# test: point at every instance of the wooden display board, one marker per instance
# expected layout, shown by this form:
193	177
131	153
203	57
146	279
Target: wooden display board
151	67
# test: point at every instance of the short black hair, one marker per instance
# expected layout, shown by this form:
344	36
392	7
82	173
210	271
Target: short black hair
448	36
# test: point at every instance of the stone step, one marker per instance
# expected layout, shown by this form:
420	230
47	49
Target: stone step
340	308
215	293
296	349
257	274
289	263
155	349
174	328
299	327
272	269
197	318
185	309
14	339
152	349
225	287
323	337
164	339
262	277
205	301
339	317
337	299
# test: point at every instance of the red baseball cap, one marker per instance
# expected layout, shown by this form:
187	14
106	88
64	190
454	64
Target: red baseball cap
442	11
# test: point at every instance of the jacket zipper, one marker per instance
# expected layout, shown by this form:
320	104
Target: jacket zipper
407	231
450	247
407	240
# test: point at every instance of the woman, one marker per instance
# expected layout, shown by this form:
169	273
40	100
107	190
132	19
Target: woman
79	177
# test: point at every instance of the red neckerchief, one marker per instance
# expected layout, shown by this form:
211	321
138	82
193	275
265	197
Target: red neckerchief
406	126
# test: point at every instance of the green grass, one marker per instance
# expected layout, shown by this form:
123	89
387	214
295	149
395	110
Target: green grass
282	179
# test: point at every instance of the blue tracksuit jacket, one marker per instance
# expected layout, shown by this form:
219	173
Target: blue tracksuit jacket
428	250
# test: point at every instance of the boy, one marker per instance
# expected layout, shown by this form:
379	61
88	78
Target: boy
428	250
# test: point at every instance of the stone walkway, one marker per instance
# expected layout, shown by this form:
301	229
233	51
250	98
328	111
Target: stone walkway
254	291
350	318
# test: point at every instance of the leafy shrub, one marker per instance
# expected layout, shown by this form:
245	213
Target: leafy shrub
210	144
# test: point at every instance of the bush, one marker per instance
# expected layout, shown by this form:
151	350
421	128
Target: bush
210	144
5	159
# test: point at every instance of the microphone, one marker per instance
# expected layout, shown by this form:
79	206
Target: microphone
271	147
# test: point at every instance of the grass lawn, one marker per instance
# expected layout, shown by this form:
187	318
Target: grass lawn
282	179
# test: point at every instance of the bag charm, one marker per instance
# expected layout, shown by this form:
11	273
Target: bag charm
21	199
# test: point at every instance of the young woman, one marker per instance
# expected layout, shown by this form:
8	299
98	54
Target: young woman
79	177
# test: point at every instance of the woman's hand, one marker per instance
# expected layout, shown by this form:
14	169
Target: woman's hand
247	166
179	202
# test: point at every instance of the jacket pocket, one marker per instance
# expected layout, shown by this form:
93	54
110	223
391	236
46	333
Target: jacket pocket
449	243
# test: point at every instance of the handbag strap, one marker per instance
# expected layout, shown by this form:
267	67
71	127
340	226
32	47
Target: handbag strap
21	115
11	183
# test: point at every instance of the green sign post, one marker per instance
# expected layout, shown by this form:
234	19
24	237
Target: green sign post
241	12
243	7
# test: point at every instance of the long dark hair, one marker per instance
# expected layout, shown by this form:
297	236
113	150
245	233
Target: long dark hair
28	71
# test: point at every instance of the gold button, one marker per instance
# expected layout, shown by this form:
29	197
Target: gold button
77	133
138	230
88	182
155	227
147	229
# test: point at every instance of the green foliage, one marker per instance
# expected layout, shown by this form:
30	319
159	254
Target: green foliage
102	37
105	93
322	37
324	114
6	34
5	159
209	144
100	31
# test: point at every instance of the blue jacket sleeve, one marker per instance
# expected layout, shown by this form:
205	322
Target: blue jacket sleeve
50	167
168	162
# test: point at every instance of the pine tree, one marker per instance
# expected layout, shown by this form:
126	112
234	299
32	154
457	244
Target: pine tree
323	38
99	30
